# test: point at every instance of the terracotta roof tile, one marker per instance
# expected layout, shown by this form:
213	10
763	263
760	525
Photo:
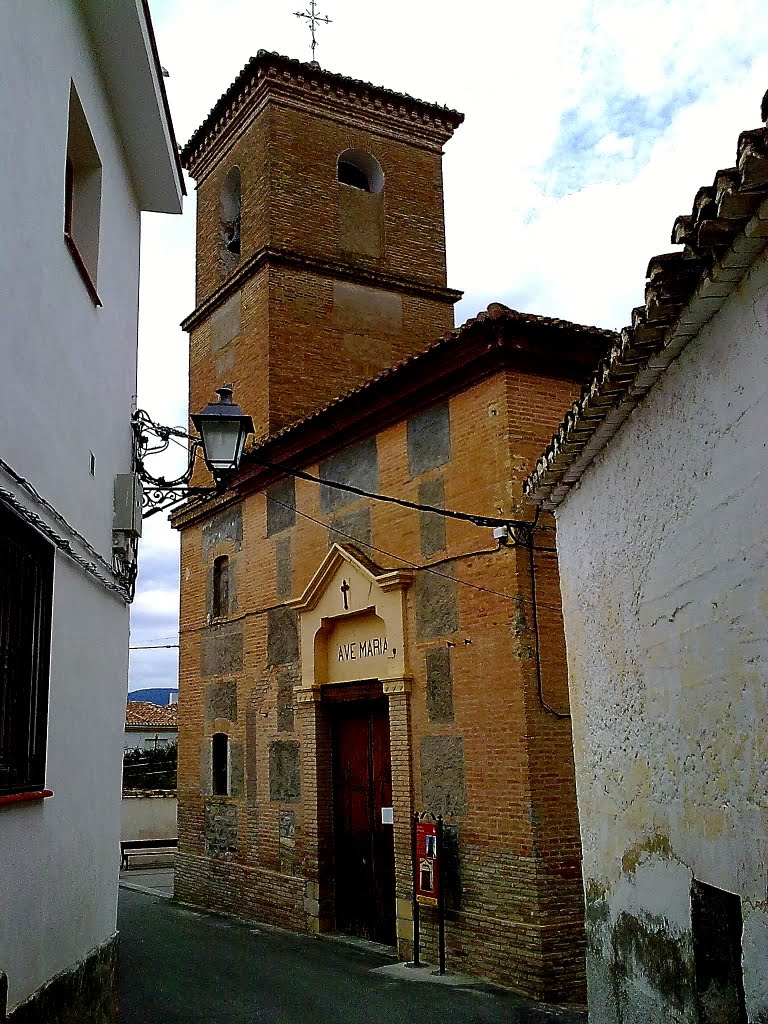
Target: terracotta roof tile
140	713
724	233
497	315
495	339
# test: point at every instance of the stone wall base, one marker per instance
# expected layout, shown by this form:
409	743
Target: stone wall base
84	994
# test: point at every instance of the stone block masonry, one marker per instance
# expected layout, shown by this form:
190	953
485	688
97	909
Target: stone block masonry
87	992
468	736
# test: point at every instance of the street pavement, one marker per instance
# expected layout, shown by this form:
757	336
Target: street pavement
179	966
157	881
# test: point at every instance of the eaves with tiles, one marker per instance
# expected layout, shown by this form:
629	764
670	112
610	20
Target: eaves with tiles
722	237
143	715
495	339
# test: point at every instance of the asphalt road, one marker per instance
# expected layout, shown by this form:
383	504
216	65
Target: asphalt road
179	966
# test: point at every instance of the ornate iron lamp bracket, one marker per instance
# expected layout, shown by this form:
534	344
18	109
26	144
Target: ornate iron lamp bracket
150	438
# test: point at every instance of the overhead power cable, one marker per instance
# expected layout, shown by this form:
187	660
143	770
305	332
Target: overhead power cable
154	647
398	558
464	583
448	513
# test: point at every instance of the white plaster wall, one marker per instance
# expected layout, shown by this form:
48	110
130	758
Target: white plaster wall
60	857
145	740
148	817
665	592
67	377
68	367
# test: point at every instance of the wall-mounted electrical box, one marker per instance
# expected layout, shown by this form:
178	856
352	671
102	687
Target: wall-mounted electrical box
129	495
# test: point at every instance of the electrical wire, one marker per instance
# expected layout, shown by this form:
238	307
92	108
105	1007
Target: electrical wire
99	568
414	565
399	558
421	568
447	513
155	647
466	583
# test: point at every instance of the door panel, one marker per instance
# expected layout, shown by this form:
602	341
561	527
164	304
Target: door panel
364	849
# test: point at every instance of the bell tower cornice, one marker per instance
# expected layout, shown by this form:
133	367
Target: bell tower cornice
272	78
326	268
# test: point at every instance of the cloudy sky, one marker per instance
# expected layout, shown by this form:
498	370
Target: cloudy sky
589	127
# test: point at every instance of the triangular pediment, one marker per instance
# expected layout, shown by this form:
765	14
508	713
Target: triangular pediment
343	565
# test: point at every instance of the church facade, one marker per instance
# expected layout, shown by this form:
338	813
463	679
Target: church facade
347	661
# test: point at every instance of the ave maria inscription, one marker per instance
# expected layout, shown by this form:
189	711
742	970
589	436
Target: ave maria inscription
357	650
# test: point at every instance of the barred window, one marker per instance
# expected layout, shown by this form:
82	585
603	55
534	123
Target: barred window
26	597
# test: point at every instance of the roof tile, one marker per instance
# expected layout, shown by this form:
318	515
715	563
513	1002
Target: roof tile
724	232
140	713
375	95
497	314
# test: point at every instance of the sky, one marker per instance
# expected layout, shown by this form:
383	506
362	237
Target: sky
589	127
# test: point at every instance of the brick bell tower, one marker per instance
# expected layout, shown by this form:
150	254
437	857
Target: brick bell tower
320	237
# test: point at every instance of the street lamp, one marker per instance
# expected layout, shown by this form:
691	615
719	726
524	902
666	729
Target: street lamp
223	429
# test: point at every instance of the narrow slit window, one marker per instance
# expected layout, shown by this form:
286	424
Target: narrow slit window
221	587
220	764
230	217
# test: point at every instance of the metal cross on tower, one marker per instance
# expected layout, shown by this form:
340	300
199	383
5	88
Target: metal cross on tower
313	18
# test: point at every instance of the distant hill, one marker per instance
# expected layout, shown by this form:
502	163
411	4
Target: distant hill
155	695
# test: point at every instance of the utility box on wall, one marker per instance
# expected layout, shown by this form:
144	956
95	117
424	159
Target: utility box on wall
129	495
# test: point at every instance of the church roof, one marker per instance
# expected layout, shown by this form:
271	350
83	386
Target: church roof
141	714
496	338
725	232
321	82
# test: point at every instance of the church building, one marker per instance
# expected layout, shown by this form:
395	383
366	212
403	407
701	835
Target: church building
347	660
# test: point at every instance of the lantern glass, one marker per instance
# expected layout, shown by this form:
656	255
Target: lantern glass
223	442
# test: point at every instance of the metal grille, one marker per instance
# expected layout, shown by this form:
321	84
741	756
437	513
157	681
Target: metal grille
26	594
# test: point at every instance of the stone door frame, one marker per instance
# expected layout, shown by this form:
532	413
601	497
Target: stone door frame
321	611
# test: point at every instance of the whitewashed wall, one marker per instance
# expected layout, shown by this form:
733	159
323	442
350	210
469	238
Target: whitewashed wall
67	378
151	816
664	570
149	739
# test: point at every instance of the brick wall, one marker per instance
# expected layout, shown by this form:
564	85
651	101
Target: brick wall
364	284
293	340
331	286
291	197
471	738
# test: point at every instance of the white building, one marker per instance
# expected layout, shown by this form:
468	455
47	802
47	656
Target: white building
87	144
150	726
659	481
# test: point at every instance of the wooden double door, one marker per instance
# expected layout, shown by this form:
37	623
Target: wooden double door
364	854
